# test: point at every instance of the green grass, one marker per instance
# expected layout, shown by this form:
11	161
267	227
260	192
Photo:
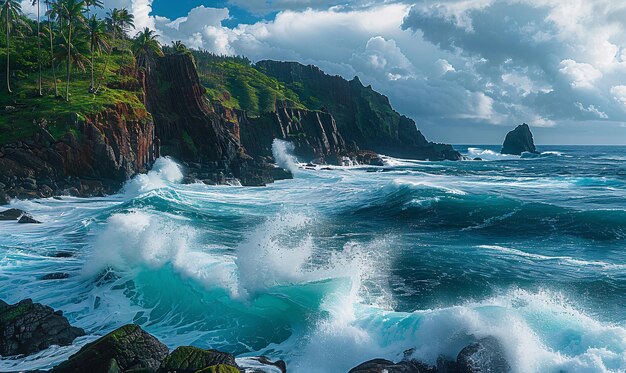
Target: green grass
238	85
32	109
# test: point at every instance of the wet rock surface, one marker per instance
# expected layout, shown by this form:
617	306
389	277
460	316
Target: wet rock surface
518	141
28	327
484	356
128	348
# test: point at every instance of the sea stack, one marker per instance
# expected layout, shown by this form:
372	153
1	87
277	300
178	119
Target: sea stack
518	141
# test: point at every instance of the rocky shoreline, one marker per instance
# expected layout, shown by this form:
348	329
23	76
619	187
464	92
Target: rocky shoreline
27	328
216	144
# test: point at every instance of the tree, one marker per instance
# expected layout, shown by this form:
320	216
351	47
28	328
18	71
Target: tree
11	14
119	22
49	14
146	48
93	3
72	12
97	41
36	2
75	51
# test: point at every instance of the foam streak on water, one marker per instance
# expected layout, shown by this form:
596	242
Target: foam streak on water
344	265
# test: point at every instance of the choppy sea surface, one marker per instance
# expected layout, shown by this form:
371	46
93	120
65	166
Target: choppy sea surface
342	265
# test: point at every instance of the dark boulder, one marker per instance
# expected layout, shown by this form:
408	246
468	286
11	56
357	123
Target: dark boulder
28	327
11	214
128	348
188	359
55	276
486	355
63	254
386	366
518	141
28	219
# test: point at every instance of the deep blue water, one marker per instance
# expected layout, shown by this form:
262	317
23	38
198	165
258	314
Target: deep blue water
340	266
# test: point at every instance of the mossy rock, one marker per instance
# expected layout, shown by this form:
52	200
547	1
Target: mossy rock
28	327
188	359
221	368
127	349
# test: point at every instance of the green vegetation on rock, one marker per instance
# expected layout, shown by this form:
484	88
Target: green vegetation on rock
237	84
23	110
221	368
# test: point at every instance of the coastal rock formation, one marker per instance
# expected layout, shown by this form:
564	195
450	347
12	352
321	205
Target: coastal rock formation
387	366
313	133
94	157
191	130
11	214
28	219
188	127
166	110
128	348
518	141
28	327
188	359
486	355
363	116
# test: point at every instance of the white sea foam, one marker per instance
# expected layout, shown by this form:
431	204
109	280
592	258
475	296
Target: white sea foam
487	154
282	152
563	259
531	326
164	171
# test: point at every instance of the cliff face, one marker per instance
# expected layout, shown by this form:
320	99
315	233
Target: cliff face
313	133
204	137
364	117
188	127
95	157
518	141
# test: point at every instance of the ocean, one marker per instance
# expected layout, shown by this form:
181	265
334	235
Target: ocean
345	264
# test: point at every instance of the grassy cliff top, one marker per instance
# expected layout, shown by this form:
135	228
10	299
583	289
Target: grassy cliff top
22	109
236	84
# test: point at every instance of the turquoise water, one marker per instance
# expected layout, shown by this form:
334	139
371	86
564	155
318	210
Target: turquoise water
340	266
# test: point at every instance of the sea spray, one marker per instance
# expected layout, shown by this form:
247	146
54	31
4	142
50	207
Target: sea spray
164	171
282	152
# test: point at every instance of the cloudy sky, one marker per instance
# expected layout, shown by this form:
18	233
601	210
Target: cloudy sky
466	70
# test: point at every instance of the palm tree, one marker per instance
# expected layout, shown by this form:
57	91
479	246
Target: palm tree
74	53
72	13
49	14
146	48
10	13
97	41
119	22
36	2
92	3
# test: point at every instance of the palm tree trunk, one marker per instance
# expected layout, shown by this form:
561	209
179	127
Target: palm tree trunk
92	80
39	46
90	49
8	53
106	64
54	74
69	61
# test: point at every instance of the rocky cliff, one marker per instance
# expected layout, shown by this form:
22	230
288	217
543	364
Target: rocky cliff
220	133
203	136
364	117
518	141
313	133
95	156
